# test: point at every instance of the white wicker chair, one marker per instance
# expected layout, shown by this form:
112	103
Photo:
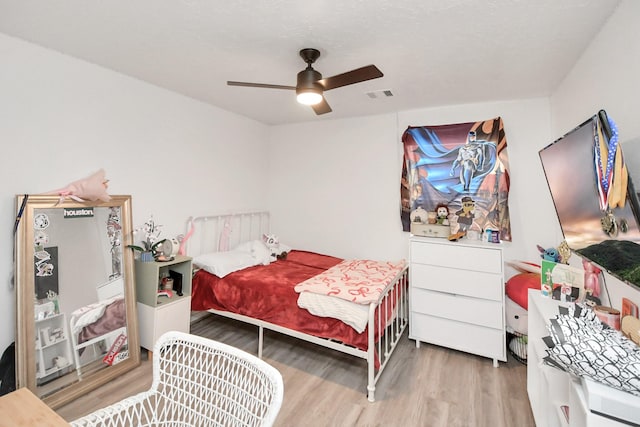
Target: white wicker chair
198	382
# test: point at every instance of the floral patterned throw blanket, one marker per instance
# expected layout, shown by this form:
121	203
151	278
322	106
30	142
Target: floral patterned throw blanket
358	281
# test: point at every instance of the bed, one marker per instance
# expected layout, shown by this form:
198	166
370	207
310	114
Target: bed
272	296
100	326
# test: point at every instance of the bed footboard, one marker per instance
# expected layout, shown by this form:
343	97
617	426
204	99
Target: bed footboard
394	306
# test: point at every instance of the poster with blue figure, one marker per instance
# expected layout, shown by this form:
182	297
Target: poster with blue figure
464	166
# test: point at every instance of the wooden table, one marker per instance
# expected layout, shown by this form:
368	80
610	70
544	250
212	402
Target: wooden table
22	408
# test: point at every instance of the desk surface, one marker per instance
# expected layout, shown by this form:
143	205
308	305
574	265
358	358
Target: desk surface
23	408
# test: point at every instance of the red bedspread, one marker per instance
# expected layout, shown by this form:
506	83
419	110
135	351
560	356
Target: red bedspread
266	293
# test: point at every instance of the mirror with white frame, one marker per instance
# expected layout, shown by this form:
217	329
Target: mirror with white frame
76	326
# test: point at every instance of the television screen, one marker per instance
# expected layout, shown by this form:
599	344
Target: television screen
608	237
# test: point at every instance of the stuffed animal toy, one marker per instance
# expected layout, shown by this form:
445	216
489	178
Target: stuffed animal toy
528	277
517	290
419	215
517	317
591	279
549	254
442	214
91	188
517	305
272	243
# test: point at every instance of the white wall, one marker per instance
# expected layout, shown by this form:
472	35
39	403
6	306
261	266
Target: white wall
606	76
335	186
62	119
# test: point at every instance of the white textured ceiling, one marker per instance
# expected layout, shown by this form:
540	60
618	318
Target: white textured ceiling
432	52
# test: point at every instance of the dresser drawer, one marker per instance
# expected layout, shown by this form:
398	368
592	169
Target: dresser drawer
481	258
474	339
460	282
457	307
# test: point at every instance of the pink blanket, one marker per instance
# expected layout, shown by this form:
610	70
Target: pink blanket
359	281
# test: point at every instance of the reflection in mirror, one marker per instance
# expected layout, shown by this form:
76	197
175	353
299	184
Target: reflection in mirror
77	323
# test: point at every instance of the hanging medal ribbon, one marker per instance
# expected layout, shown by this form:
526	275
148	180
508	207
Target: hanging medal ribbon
617	195
612	176
606	150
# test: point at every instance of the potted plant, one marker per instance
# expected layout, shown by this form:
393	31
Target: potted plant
149	249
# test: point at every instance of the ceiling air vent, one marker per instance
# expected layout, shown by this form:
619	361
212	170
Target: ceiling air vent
380	94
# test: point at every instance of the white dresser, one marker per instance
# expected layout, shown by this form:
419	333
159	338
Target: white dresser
457	296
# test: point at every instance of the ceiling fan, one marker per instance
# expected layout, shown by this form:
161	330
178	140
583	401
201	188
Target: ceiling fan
311	85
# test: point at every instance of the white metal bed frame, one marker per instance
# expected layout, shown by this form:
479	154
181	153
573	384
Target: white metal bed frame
105	291
204	236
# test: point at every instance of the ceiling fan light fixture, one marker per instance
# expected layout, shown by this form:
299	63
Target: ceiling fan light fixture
309	96
310	85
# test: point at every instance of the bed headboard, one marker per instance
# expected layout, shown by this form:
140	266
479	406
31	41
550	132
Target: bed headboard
213	233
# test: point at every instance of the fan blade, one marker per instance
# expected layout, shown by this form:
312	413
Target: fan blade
350	77
322	107
263	85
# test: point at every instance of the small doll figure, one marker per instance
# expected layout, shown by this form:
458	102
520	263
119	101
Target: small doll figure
442	214
466	214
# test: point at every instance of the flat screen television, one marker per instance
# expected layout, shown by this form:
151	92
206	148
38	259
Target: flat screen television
570	165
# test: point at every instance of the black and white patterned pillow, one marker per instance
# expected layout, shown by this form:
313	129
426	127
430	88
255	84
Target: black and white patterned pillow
579	343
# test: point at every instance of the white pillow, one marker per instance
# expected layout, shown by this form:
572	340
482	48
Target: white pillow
257	249
223	263
261	253
244	247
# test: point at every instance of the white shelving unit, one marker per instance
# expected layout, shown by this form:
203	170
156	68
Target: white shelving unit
52	341
549	388
159	314
456	296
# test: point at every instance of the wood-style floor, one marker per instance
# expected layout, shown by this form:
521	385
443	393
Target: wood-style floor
427	386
